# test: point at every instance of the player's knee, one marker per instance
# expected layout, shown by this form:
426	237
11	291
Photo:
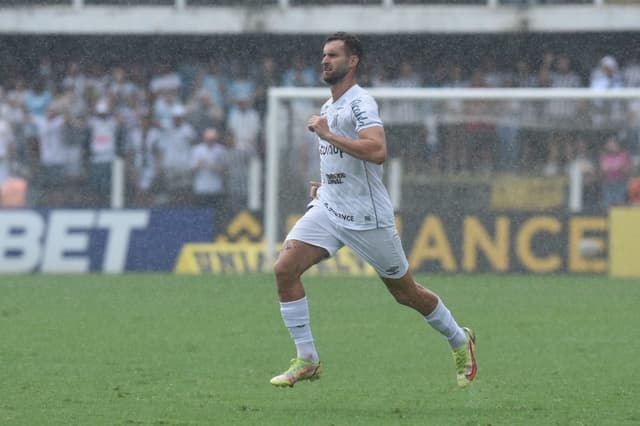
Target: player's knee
284	271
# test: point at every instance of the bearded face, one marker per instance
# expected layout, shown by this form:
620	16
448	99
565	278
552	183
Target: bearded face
334	73
336	64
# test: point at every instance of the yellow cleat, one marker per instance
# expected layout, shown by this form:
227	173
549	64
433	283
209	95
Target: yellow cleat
300	369
465	357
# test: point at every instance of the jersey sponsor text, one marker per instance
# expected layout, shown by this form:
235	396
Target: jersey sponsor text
330	150
335	178
343	216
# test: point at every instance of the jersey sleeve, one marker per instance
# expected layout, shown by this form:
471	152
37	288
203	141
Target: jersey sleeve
364	111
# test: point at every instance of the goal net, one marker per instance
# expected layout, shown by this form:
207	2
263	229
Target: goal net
458	150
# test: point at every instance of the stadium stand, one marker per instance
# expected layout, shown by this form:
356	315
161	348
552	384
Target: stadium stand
137	75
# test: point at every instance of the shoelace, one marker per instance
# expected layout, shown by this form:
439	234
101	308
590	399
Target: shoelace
461	359
296	365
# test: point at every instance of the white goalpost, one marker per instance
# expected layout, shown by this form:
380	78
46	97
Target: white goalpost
288	147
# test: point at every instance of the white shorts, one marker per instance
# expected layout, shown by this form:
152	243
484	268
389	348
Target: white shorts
381	247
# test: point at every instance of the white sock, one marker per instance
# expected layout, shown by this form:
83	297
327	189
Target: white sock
442	320
296	318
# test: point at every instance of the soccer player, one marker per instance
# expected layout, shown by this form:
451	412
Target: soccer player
351	207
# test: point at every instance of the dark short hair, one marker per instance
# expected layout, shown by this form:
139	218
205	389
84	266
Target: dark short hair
352	43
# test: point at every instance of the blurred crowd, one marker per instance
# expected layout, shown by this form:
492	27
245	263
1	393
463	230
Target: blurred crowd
188	132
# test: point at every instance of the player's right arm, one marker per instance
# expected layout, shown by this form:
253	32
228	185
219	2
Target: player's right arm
371	144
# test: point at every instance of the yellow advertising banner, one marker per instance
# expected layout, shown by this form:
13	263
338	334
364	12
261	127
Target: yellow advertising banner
528	193
624	242
516	242
224	257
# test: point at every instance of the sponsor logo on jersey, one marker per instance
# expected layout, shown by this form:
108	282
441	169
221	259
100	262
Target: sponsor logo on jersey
360	115
335	178
330	150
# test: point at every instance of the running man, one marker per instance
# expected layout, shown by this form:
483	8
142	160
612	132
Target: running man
351	207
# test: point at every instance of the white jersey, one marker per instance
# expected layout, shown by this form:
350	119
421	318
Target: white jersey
207	180
352	190
142	148
53	151
103	139
176	144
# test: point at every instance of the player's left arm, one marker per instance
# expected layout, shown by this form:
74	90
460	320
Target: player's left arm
371	144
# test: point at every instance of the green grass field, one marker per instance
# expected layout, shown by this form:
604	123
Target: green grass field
200	350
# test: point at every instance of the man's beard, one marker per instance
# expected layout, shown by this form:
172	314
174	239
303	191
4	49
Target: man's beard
336	76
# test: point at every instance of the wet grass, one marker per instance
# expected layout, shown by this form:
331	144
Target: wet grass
199	350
